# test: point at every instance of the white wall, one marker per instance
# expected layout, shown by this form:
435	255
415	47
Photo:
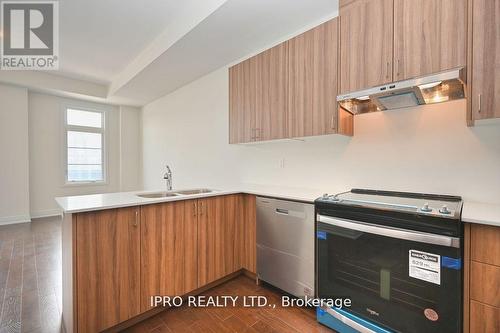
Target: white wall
46	139
425	149
130	149
14	171
188	130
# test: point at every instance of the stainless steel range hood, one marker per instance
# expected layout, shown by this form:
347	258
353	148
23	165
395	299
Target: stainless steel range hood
436	88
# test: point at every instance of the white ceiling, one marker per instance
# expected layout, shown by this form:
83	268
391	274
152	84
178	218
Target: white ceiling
235	30
98	38
133	52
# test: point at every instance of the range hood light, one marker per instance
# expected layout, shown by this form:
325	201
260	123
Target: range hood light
428	89
429	85
438	98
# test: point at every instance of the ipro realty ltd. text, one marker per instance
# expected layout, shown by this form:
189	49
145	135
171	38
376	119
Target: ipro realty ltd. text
247	301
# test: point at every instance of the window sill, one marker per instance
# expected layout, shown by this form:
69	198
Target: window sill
81	184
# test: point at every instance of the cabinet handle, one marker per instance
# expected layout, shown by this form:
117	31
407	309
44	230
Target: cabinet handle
136	222
195	209
200	212
479	102
399	69
332	121
388	69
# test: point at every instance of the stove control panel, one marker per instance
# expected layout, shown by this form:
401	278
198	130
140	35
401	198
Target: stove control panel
430	206
426	208
444	210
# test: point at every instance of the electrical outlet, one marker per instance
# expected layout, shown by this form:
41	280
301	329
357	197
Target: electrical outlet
282	163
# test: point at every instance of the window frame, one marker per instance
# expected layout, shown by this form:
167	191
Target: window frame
104	151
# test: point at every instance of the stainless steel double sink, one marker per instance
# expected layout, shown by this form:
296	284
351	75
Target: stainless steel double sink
174	193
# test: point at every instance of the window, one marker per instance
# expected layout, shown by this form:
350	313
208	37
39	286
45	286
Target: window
84	146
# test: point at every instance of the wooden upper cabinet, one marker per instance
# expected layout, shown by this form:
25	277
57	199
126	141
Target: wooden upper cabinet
485	59
271	81
366	42
312	64
258	97
168	250
107	268
242	89
429	36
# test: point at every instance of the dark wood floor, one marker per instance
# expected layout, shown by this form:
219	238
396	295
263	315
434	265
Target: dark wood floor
235	319
30	276
30	293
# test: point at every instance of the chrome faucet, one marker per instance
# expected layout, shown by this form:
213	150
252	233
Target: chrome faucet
168	177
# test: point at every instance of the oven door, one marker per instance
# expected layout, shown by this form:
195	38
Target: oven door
402	280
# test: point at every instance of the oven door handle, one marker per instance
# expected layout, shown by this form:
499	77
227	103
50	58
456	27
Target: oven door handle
415	236
348	321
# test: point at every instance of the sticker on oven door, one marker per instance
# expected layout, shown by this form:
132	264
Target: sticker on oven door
425	266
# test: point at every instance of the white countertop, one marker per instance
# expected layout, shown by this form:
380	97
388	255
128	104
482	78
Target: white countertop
472	212
482	213
92	202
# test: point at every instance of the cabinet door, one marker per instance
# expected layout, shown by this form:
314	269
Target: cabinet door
271	93
312	63
107	268
484	318
168	250
217	218
231	215
485	283
485	244
486	59
366	41
242	89
429	36
246	234
210	240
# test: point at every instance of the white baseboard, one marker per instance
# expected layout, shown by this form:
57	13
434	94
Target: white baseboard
15	219
46	213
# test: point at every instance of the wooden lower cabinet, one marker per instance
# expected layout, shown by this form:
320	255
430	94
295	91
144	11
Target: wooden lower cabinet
485	241
484	318
168	250
226	236
485	283
124	256
482	279
247	233
108	268
216	238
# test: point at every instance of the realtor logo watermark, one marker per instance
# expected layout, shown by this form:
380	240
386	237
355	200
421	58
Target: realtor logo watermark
30	35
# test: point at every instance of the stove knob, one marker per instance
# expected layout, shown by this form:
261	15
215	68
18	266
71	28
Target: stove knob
325	195
444	210
426	208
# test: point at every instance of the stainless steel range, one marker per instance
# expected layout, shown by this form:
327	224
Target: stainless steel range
397	256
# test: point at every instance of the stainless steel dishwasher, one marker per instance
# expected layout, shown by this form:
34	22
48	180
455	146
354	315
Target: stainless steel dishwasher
285	245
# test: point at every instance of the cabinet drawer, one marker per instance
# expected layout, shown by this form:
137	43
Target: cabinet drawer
485	244
485	283
484	318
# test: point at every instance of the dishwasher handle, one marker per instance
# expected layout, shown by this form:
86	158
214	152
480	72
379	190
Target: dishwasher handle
281	211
